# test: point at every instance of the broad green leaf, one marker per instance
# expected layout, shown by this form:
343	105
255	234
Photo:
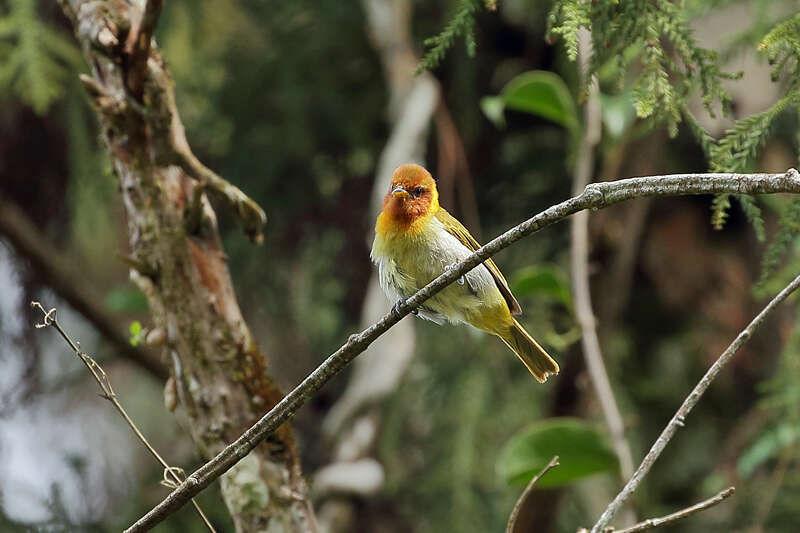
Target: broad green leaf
582	450
543	94
542	280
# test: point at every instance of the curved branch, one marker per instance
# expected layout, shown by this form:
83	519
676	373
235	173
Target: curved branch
595	196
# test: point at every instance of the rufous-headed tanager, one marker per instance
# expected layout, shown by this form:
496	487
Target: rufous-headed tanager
416	240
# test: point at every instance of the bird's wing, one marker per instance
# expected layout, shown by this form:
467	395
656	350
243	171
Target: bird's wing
457	230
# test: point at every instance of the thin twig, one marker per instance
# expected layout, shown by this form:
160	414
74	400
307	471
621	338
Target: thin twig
579	266
691	400
652	523
512	520
595	196
172	475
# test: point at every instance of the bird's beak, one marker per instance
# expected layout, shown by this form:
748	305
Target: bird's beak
400	192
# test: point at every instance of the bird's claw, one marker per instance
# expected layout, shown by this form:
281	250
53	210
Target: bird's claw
398	303
460	280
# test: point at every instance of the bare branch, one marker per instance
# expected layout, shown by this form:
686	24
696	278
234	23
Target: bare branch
172	475
172	147
652	523
139	60
691	400
56	271
512	520
595	196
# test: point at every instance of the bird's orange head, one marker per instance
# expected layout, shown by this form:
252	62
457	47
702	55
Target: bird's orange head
412	198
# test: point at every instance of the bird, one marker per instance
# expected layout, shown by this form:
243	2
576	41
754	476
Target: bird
416	240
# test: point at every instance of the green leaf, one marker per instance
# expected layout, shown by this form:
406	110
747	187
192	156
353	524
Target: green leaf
582	450
542	280
538	92
137	333
544	94
39	60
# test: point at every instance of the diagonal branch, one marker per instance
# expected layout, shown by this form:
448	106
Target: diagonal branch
595	196
652	523
512	520
172	475
117	89
691	400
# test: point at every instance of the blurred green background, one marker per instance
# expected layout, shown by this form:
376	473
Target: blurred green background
288	101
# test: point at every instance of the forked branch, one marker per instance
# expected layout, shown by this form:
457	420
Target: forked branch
691	400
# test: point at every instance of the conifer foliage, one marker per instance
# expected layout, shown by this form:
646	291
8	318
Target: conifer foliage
651	50
461	25
654	37
736	151
34	57
672	67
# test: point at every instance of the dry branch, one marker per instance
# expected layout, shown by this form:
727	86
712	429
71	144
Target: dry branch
652	523
172	475
512	519
691	400
595	196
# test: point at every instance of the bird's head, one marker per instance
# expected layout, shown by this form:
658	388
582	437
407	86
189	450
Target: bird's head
412	195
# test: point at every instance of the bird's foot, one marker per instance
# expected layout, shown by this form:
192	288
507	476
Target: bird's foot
398	303
460	280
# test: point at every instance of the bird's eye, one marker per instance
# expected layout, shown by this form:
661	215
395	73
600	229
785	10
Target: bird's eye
418	191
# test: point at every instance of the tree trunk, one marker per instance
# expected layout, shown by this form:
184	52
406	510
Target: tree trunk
218	370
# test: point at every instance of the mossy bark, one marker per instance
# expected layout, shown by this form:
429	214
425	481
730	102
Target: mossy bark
218	370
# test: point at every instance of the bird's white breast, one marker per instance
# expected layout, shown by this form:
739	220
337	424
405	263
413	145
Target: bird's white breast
407	262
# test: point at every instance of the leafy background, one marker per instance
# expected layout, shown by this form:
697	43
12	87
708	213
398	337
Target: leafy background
288	101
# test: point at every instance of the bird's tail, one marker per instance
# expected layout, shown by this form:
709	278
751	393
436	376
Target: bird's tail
529	352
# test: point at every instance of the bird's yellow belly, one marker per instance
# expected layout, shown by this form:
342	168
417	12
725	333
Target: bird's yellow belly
407	263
